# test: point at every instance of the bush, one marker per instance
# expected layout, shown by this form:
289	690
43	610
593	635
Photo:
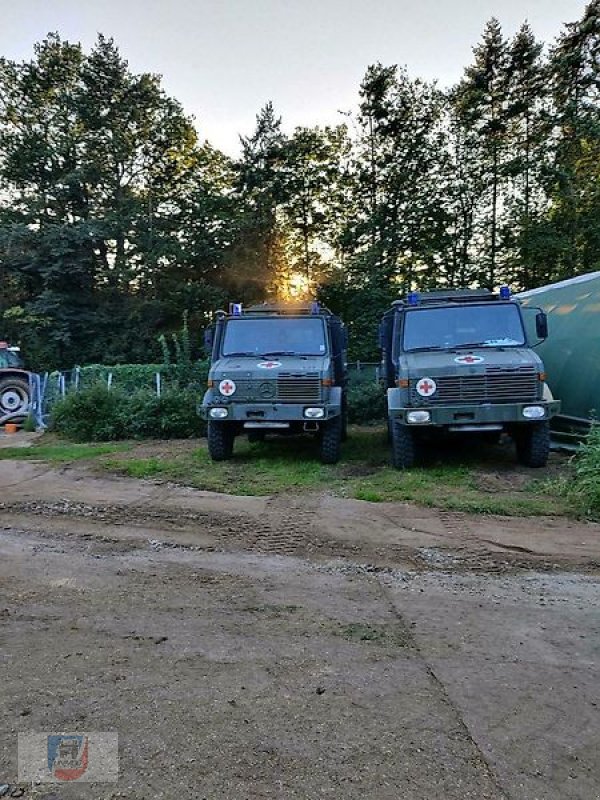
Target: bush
91	415
99	415
584	488
136	376
366	401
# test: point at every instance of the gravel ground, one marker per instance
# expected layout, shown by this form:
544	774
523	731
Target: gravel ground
297	647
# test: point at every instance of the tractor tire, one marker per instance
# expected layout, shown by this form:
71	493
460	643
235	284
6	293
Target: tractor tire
331	440
14	397
256	436
533	444
220	440
404	446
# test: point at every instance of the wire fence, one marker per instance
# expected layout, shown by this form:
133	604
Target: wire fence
46	389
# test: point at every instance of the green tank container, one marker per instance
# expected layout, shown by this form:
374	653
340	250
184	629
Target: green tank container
571	353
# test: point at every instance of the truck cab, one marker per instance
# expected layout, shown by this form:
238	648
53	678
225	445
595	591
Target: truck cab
459	361
276	369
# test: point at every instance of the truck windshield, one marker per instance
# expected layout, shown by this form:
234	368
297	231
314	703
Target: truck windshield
275	336
463	326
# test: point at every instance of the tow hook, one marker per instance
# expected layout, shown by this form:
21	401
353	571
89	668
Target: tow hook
311	427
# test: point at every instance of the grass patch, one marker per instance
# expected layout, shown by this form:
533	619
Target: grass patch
454	478
383	634
60	453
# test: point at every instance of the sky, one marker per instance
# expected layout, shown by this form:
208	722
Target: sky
224	59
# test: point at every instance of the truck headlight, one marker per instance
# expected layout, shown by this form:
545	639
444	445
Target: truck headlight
218	413
534	412
418	416
314	413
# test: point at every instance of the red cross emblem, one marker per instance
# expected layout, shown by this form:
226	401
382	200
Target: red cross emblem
268	364
227	387
469	359
426	387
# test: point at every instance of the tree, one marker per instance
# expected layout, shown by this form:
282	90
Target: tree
481	101
575	185
92	156
526	158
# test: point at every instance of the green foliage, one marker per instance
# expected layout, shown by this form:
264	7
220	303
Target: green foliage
100	414
584	487
115	220
130	377
30	424
90	415
366	400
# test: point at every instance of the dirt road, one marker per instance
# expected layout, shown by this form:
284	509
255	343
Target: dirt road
297	647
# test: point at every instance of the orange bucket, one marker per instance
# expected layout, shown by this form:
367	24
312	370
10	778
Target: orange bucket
11	427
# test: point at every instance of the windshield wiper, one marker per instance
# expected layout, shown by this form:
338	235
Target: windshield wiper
279	353
238	355
431	347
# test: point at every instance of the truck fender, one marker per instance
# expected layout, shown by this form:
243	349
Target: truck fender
335	396
547	393
395	399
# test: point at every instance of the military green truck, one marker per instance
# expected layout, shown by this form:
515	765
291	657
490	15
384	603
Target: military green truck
276	369
458	361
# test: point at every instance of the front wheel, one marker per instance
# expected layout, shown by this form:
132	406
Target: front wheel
331	440
404	446
220	440
533	444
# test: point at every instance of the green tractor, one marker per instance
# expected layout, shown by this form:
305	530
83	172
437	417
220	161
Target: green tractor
14	385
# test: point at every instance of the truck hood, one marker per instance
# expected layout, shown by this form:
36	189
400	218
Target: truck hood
473	361
256	368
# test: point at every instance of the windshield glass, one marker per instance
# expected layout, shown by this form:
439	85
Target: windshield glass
9	359
463	326
275	336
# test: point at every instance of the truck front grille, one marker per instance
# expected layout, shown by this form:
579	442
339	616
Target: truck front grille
298	388
495	385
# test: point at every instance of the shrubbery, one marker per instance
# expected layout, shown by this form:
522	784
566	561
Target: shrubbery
366	400
131	409
584	487
98	414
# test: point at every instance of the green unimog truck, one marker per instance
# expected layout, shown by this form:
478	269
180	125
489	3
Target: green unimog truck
458	361
276	369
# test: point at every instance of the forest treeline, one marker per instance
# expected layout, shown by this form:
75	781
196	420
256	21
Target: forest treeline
116	217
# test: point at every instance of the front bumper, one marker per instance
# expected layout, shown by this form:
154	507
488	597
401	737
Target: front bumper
470	415
269	412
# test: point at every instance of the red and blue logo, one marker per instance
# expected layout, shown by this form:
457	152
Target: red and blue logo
67	756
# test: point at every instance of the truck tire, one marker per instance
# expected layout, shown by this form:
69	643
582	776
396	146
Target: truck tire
404	446
220	440
533	444
14	397
344	419
331	440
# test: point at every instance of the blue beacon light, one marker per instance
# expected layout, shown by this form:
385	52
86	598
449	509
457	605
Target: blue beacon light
315	307
504	293
413	298
236	309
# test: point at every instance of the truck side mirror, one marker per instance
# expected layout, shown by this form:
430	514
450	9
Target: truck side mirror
541	325
209	337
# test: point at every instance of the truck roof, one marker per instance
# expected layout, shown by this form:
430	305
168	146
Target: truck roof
282	309
449	296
